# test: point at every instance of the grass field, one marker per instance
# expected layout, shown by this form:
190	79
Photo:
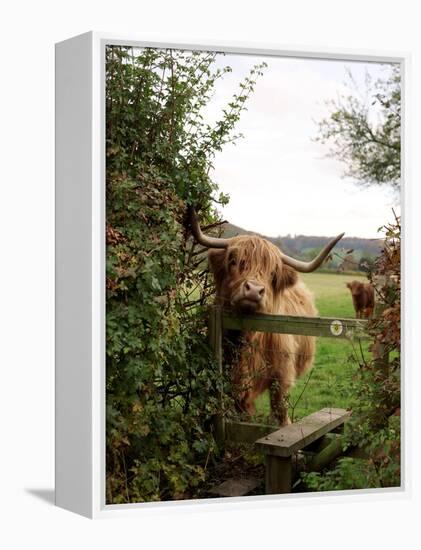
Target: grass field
328	383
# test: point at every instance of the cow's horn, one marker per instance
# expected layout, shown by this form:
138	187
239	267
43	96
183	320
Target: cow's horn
307	267
204	240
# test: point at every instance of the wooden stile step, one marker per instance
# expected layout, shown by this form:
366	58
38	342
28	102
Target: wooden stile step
292	438
281	445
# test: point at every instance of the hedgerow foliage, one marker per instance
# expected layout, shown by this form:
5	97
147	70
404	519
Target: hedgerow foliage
161	384
375	423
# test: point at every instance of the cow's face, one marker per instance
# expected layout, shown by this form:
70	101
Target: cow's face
355	287
249	274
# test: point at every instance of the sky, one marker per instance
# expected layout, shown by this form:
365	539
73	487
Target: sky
279	180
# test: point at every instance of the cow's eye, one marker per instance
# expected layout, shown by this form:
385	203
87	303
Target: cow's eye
232	262
274	278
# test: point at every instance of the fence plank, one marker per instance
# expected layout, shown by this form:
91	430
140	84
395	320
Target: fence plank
326	455
246	432
287	324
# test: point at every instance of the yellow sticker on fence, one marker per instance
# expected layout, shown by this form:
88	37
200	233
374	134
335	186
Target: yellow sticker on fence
336	328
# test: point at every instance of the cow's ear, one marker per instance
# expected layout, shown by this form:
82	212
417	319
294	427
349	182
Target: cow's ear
348	285
283	277
216	257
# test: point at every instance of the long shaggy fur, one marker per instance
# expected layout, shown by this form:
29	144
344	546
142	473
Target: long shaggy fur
265	360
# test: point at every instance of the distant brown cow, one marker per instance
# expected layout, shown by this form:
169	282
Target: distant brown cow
363	298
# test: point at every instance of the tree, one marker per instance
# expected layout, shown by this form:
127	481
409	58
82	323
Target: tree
365	131
349	263
366	263
162	387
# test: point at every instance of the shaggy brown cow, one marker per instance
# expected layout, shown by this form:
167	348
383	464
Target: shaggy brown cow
253	276
363	298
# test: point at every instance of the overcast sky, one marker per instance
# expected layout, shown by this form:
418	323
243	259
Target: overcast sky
278	179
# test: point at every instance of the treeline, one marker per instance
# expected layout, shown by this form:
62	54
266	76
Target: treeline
300	243
351	254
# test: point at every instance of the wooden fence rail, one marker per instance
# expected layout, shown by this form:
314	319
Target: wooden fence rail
328	327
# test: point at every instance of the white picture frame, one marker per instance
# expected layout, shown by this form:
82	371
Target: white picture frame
80	279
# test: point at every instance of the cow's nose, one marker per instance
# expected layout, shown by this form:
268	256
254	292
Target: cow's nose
253	291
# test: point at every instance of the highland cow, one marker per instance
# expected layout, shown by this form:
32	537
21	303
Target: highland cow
252	275
363	298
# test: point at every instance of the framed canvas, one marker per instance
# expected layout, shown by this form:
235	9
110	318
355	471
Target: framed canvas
228	274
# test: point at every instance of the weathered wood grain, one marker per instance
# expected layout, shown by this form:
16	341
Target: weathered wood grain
330	327
326	455
294	437
246	432
278	475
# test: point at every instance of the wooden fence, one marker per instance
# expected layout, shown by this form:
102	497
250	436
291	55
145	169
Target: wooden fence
280	445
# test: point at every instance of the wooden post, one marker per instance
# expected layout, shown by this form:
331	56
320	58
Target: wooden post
215	341
380	355
278	477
